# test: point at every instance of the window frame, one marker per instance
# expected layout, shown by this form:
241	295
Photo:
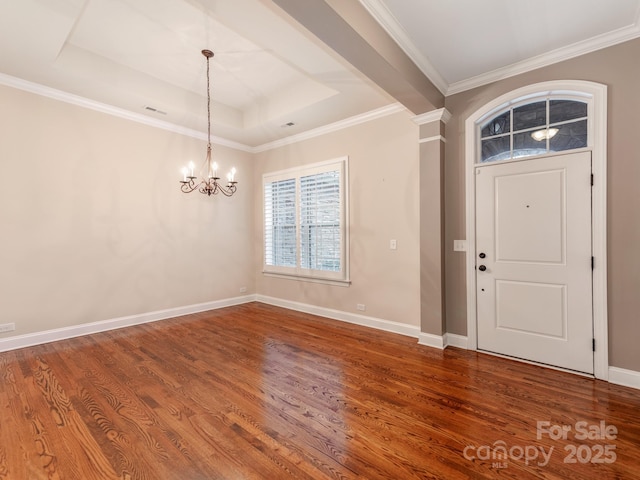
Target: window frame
528	100
340	277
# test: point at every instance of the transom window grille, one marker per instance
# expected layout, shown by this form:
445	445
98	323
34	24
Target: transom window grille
534	128
305	228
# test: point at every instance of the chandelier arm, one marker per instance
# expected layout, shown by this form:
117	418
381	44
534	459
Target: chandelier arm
188	187
229	189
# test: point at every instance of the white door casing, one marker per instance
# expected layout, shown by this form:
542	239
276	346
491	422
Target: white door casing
533	244
595	95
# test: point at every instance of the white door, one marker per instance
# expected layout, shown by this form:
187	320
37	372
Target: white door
533	265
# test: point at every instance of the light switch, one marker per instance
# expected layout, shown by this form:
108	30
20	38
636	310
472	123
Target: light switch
393	244
459	245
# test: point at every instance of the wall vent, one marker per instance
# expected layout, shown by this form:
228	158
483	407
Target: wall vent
154	110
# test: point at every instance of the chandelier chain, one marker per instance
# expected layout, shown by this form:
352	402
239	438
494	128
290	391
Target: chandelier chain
208	106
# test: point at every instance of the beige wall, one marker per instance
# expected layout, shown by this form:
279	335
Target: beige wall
94	226
384	199
619	69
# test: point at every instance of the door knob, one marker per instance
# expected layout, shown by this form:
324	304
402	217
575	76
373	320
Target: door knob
482	268
482	255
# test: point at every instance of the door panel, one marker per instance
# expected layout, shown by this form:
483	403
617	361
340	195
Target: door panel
533	224
530	226
531	308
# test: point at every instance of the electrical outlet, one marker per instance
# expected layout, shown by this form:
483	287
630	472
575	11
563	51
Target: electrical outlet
243	289
360	307
7	327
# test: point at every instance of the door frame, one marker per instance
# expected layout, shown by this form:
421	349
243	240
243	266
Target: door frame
595	95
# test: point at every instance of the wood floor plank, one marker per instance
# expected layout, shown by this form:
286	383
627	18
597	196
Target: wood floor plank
259	392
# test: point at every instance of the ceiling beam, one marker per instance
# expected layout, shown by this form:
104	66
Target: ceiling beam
348	29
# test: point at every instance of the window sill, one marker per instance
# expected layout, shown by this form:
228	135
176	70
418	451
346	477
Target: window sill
301	278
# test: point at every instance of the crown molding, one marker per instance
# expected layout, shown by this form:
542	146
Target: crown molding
83	102
435	138
385	18
441	115
555	56
333	127
390	24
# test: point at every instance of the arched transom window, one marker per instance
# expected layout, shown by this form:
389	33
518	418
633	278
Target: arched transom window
538	127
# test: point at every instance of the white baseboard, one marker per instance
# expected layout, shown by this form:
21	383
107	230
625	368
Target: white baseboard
38	338
618	376
377	323
454	340
429	340
626	378
443	341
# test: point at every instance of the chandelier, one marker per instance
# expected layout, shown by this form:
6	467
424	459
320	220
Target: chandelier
208	183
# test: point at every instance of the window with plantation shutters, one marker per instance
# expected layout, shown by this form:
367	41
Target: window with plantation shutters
280	223
305	220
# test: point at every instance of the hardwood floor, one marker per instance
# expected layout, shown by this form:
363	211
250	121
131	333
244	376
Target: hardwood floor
258	392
